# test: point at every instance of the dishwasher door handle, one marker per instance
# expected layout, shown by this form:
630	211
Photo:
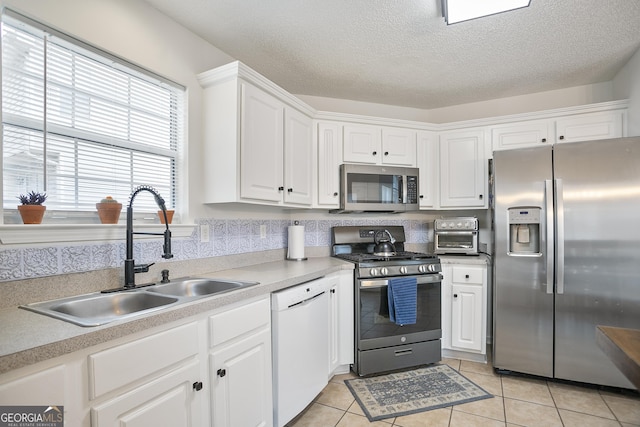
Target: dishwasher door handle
306	301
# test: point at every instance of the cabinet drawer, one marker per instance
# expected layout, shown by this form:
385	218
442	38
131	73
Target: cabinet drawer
237	321
468	275
124	364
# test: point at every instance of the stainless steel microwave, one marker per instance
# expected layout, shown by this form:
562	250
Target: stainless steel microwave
374	188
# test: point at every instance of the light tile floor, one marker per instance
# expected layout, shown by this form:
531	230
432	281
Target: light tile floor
517	401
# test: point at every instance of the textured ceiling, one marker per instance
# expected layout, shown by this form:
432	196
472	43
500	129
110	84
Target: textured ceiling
401	52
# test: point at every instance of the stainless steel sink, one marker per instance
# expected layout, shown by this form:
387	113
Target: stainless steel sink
197	287
98	309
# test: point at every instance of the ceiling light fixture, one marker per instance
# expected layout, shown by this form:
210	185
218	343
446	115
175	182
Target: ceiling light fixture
455	11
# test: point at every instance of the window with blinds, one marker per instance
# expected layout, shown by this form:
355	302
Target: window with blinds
81	124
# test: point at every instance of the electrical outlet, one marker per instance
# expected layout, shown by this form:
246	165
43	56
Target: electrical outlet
204	233
263	231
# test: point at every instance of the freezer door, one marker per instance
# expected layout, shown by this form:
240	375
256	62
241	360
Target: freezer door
523	283
598	203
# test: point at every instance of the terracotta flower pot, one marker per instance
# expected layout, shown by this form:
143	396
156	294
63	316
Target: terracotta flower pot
32	214
109	213
170	213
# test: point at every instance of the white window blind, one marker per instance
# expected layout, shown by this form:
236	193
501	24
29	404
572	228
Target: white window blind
81	124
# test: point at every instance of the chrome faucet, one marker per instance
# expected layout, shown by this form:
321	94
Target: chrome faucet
130	267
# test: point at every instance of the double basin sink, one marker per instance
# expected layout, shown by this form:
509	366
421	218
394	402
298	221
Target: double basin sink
100	308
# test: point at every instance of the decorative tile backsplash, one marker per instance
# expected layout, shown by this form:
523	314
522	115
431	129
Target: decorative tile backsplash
227	237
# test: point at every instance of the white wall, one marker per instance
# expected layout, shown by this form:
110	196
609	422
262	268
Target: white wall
568	97
626	84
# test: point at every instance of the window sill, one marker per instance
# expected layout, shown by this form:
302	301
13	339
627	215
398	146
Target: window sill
58	233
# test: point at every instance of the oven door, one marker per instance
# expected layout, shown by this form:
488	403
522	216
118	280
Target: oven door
374	329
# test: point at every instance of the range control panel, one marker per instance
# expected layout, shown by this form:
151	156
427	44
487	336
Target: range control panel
459	223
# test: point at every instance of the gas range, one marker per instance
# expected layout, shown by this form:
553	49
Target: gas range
380	340
356	244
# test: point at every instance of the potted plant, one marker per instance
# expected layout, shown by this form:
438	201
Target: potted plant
109	210
32	209
170	213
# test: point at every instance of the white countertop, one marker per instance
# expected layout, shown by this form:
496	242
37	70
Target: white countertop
481	259
27	338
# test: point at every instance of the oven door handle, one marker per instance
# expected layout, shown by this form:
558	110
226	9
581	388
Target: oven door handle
382	283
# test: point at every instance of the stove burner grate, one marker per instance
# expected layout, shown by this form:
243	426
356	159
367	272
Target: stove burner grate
399	256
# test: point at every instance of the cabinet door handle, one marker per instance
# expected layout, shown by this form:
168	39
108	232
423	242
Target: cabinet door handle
280	188
386	153
466	276
480	196
544	139
335	194
455	295
289	190
421	196
221	372
197	386
561	136
375	153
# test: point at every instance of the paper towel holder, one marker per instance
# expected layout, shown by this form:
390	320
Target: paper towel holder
295	223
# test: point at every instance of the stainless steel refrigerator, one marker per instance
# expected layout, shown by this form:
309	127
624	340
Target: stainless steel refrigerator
567	256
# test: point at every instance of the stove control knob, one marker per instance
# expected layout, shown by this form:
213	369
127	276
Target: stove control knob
431	267
384	271
373	271
403	270
422	268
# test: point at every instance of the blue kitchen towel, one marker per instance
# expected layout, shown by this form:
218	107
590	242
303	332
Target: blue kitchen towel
403	300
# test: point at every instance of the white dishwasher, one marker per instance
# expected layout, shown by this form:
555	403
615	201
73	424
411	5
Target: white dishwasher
300	338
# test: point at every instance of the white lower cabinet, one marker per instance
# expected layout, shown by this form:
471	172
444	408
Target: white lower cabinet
210	369
170	400
153	380
341	338
466	317
240	366
464	309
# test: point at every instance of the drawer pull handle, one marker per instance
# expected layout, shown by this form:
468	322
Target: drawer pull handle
221	372
197	386
466	276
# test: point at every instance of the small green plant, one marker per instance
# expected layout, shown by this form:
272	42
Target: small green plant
33	198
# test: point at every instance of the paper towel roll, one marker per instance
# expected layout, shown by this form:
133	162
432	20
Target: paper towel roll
295	250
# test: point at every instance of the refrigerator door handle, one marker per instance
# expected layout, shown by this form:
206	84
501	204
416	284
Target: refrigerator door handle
548	196
559	200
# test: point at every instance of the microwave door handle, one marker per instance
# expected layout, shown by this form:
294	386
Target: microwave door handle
403	179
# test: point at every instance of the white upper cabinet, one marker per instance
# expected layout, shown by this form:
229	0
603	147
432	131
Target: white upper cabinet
362	144
298	158
520	135
463	169
329	160
428	164
379	145
261	145
258	140
569	128
398	146
590	126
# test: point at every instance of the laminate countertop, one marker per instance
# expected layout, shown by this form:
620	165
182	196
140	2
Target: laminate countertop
623	348
27	338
